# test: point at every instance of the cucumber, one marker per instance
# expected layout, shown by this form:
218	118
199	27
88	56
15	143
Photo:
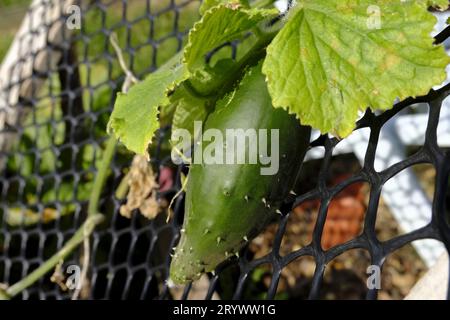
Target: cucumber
229	204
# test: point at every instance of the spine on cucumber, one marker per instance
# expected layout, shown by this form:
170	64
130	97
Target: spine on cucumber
229	204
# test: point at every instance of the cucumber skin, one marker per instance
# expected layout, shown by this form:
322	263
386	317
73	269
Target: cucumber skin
227	205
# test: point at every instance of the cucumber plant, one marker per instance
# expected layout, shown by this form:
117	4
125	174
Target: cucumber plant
228	204
320	65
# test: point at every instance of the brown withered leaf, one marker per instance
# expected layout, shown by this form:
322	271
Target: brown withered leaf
142	190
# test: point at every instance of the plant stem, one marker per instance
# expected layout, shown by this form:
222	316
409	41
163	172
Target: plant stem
4	295
252	57
102	174
122	189
93	218
85	231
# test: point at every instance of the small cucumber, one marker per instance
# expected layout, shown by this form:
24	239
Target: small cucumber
229	204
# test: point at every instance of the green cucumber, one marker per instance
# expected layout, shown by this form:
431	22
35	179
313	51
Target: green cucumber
229	204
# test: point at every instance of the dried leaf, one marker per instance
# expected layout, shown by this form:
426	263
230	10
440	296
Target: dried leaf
142	190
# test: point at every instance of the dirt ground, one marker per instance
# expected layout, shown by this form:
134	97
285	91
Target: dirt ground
345	277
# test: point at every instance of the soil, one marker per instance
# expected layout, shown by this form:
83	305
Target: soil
345	276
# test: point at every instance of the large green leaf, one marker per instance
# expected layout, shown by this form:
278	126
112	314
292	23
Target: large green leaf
332	59
134	119
223	23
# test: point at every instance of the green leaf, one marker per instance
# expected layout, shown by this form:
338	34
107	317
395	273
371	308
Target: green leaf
134	119
331	60
209	80
219	25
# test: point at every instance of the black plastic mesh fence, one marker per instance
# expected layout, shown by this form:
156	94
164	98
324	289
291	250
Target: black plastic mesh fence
58	135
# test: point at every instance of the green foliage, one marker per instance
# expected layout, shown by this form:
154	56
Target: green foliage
5	41
229	203
221	24
11	13
328	63
325	62
13	3
134	119
45	129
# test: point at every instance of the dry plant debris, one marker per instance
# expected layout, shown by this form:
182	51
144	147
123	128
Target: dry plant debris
143	190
